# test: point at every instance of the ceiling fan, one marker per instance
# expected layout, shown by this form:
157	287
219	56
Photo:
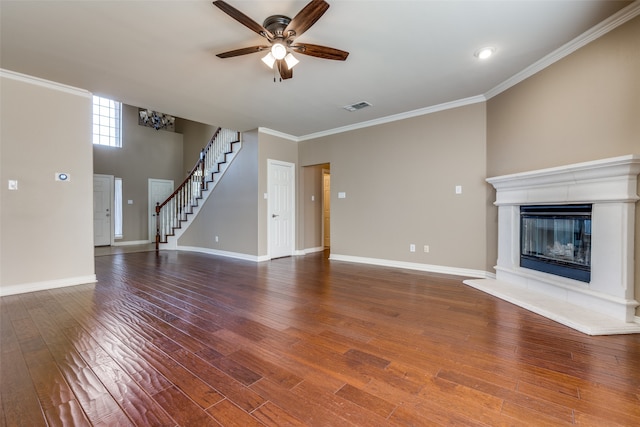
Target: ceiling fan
281	32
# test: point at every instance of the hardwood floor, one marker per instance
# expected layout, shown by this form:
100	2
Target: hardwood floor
194	340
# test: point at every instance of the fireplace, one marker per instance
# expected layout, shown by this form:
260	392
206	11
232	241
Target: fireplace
556	239
566	244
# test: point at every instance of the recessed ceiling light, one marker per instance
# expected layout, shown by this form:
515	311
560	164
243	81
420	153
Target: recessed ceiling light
484	53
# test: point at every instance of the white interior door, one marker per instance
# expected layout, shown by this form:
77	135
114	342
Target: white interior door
159	190
326	207
281	202
102	209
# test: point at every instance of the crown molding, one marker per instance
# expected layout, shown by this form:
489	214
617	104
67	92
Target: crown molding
396	117
614	21
44	83
278	134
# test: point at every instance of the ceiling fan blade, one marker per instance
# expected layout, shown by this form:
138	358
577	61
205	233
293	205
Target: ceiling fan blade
306	18
243	19
285	72
320	51
243	51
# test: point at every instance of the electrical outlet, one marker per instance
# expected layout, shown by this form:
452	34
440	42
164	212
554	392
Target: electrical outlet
426	249
217	239
412	248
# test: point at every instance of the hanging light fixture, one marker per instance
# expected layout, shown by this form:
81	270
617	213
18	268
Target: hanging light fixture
269	60
290	60
155	120
279	51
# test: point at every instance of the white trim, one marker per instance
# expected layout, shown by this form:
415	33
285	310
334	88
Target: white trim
412	266
132	243
609	180
278	134
45	83
396	117
46	285
582	40
226	254
308	251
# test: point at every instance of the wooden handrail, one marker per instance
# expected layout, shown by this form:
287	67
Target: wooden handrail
198	165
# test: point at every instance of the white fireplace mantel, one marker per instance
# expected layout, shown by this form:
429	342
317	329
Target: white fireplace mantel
605	305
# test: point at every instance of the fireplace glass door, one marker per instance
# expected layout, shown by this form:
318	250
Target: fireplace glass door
557	240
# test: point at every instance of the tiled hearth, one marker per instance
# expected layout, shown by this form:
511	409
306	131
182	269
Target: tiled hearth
605	305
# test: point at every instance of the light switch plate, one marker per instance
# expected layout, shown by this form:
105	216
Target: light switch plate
13	184
458	189
342	195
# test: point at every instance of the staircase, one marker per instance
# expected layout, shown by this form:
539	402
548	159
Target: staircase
174	214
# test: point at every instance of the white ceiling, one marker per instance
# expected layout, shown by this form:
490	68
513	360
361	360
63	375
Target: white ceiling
404	55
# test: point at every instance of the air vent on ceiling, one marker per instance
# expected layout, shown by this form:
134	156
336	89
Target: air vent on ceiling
357	106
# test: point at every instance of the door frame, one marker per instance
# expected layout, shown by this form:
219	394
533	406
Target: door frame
292	166
151	208
325	172
111	203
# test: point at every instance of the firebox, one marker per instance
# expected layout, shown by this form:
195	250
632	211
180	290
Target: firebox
556	239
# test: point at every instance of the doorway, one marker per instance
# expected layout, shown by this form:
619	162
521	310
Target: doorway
281	208
159	190
326	208
102	209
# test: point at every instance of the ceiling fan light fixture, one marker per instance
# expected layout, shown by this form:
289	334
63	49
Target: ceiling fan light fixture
269	60
291	61
278	51
484	53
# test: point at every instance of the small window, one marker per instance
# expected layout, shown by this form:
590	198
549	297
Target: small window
117	208
107	122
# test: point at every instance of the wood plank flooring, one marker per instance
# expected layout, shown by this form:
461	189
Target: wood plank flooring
196	340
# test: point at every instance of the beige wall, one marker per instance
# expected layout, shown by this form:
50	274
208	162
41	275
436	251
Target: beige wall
145	153
195	136
584	107
400	179
46	226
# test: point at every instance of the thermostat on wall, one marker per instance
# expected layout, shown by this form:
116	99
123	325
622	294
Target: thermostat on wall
61	176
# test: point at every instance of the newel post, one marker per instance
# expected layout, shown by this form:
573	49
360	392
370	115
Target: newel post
157	227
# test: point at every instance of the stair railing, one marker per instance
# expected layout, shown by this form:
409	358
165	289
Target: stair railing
174	210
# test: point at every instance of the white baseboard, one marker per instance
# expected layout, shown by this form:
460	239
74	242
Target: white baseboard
237	255
465	272
23	288
308	251
226	254
132	243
